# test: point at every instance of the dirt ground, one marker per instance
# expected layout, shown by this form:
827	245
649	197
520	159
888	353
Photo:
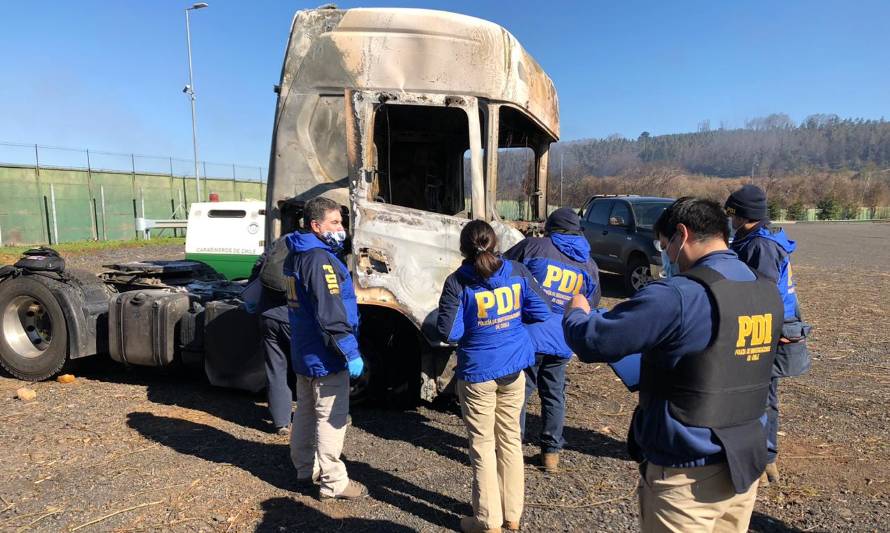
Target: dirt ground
141	450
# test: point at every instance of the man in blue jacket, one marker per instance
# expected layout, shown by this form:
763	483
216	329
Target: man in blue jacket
324	348
561	263
708	340
768	251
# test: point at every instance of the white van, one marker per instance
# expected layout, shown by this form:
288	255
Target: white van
228	236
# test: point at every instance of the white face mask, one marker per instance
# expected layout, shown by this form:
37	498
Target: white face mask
334	239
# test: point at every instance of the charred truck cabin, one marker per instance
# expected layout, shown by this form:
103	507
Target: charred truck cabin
399	115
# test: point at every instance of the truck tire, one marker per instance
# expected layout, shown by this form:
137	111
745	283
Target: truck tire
637	274
33	330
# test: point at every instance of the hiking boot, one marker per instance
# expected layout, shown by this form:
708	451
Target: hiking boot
353	491
550	462
469	524
511	526
772	473
763	481
283	431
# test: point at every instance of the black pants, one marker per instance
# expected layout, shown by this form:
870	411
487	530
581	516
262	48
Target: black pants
276	344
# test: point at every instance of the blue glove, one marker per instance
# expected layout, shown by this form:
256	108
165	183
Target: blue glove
356	366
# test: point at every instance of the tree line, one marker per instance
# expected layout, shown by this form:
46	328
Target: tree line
825	162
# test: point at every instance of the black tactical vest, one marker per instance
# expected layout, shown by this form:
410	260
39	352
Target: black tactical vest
727	383
272	272
725	386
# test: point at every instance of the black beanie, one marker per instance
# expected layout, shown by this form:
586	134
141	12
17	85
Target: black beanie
563	220
748	202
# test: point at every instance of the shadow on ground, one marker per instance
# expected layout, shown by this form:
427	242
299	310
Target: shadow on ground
761	523
182	387
286	514
271	463
416	429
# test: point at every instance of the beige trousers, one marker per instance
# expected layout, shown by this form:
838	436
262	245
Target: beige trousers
319	427
491	414
693	500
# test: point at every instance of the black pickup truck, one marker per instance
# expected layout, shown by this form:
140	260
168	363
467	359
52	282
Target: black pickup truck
619	230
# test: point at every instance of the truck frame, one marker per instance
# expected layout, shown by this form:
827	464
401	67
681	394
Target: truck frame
399	115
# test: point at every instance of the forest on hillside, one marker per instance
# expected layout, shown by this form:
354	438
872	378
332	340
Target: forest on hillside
824	162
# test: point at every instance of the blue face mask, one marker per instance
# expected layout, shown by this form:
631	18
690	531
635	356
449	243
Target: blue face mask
670	268
334	239
666	266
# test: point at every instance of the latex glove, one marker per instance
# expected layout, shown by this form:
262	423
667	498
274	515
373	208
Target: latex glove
579	302
356	367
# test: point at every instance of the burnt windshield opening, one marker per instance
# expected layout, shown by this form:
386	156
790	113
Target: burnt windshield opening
519	143
419	154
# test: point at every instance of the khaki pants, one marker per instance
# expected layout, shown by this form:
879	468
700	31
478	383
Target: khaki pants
491	414
697	499
319	427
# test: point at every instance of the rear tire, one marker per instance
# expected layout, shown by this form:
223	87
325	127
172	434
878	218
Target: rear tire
33	331
637	275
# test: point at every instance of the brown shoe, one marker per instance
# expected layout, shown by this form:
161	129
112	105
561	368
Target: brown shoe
511	526
550	462
353	491
469	524
763	481
772	473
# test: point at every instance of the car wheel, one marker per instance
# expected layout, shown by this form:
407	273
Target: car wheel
637	275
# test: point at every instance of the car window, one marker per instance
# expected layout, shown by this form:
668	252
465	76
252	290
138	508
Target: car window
598	213
620	215
648	212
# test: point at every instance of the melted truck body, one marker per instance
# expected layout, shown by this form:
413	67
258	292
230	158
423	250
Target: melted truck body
399	115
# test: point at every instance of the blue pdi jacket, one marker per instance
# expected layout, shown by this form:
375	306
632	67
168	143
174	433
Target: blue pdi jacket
322	307
485	317
768	251
672	318
561	263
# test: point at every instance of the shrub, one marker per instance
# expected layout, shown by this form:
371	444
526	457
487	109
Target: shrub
796	211
829	209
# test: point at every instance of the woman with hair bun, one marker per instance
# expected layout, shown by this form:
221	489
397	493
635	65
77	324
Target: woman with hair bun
483	306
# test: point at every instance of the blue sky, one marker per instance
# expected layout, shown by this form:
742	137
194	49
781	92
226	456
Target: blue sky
107	75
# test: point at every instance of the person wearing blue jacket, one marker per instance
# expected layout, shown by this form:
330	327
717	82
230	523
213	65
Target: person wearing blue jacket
768	251
482	309
561	263
325	352
708	339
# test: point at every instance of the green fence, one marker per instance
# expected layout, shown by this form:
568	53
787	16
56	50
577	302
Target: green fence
53	205
862	213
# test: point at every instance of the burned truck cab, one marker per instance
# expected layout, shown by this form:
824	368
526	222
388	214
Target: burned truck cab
401	115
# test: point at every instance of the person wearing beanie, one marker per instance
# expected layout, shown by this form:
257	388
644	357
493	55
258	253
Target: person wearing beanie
561	263
768	251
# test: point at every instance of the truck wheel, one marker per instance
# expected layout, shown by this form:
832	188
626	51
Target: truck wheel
34	335
637	275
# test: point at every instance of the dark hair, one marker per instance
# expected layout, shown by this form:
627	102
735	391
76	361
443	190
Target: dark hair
477	243
317	208
703	217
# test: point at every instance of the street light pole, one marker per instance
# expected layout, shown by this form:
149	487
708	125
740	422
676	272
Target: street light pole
190	91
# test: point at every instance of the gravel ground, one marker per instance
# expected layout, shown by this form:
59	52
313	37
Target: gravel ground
143	450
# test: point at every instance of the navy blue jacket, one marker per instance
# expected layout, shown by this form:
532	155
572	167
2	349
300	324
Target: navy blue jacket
769	252
321	306
485	318
672	317
561	263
